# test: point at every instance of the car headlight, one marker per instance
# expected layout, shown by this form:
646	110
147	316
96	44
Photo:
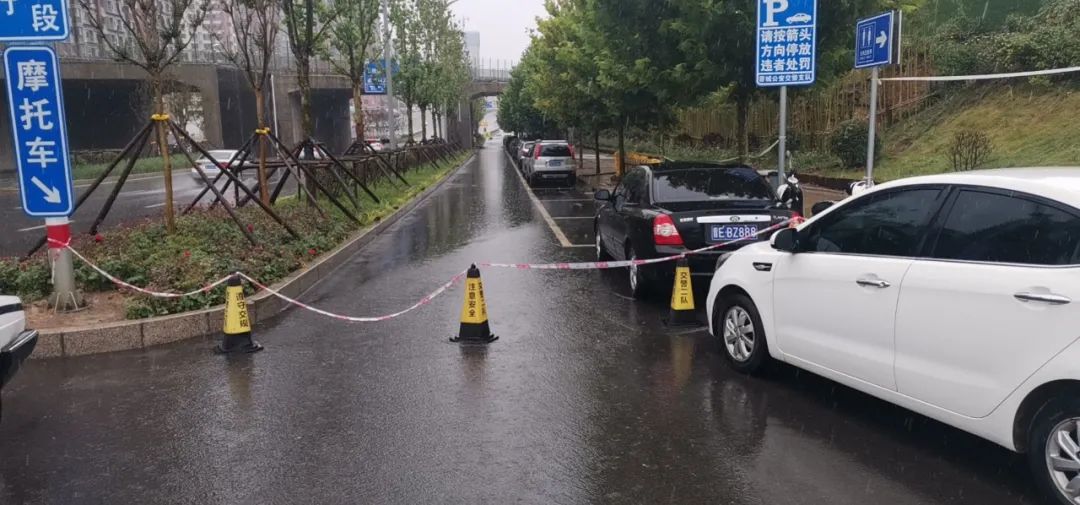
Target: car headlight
721	260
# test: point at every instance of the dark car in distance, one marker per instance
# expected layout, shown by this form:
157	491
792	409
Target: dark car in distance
671	208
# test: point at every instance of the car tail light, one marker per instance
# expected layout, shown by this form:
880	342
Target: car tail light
571	146
536	153
796	219
665	232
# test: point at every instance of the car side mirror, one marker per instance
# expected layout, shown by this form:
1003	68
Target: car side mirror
786	240
820	207
603	195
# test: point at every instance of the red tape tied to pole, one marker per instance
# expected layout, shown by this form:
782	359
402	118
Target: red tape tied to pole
59	236
58	243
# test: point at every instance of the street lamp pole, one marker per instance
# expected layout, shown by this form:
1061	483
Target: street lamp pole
388	67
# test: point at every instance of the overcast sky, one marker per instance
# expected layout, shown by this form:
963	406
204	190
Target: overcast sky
503	24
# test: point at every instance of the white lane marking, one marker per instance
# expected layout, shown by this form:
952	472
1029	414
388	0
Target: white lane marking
568	201
154	206
563	241
573	217
42	227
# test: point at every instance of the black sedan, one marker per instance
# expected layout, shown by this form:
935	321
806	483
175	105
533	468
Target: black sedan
674	207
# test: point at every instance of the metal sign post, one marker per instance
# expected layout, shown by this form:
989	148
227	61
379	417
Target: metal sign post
786	54
39	130
874	47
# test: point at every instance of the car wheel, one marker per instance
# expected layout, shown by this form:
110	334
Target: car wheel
742	337
639	284
601	253
1054	450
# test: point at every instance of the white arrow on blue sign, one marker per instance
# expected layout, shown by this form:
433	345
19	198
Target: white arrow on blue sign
874	41
33	20
786	42
39	127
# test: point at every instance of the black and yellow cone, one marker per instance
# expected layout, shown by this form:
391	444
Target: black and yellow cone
237	331
682	298
475	327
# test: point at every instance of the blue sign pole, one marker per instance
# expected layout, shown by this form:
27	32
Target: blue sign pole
35	96
874	48
786	54
39	129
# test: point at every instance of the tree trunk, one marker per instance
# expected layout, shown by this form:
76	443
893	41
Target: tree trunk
408	112
620	167
157	81
434	123
596	139
260	116
743	112
358	103
423	123
307	124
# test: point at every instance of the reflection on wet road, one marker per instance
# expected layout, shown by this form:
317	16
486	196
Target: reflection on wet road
586	398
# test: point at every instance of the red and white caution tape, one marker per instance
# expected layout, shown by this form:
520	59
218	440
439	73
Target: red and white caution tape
600	265
120	283
608	265
374	319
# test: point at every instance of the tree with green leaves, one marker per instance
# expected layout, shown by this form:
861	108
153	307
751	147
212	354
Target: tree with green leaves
407	46
353	32
307	23
715	43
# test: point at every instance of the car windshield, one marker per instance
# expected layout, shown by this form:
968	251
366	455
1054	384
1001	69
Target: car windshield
222	156
556	151
711	184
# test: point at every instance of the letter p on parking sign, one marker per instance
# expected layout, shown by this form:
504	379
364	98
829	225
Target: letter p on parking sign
786	43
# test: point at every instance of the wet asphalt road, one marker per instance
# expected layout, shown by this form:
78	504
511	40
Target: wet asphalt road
586	398
142	197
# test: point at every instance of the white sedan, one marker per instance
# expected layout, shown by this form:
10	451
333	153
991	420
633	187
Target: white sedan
222	157
16	342
955	296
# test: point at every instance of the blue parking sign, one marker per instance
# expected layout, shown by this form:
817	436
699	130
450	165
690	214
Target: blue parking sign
39	128
33	20
874	41
786	42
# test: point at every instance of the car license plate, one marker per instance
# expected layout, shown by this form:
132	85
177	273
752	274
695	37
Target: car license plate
726	232
555	163
554	176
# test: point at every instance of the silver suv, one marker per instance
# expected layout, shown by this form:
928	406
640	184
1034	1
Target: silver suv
551	160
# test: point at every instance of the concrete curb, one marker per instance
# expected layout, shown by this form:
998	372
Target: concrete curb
145	333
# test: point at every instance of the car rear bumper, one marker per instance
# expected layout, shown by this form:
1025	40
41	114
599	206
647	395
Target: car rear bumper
14	354
702	265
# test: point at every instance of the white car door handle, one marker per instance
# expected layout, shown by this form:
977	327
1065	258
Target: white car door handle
873	283
1052	299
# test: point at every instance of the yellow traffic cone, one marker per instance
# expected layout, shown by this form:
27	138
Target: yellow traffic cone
682	298
475	328
237	331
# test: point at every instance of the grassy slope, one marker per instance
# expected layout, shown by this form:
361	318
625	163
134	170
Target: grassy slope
1028	126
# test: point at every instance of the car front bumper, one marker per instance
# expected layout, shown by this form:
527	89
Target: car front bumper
14	354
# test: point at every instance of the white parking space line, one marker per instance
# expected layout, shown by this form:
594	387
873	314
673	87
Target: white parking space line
559	235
